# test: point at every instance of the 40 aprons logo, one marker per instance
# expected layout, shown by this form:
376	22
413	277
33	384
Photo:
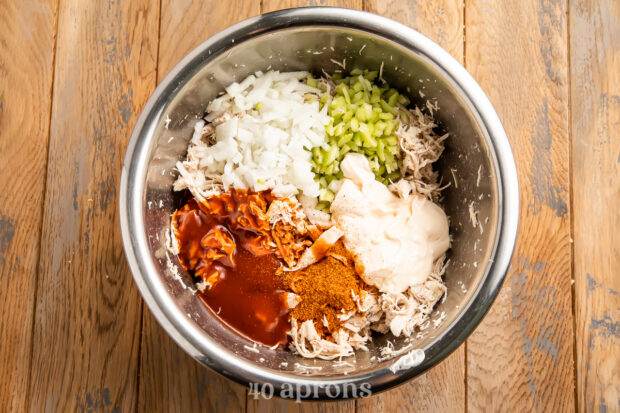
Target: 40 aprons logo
301	392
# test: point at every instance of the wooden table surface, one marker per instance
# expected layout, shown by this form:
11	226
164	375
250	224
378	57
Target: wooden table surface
74	332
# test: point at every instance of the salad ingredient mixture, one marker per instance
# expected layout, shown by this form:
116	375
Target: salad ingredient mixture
312	218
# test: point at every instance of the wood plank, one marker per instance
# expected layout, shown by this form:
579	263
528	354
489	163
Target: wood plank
443	387
273	5
521	357
26	47
259	405
88	312
595	95
170	380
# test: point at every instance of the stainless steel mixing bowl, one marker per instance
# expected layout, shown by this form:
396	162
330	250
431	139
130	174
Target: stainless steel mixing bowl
477	163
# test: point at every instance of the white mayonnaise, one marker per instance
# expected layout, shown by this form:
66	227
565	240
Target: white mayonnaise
394	240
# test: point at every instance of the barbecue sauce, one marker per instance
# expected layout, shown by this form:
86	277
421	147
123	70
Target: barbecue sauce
244	292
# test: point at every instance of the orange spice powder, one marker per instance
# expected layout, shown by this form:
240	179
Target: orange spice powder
324	289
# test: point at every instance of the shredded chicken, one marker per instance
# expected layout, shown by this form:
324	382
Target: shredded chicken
422	147
192	174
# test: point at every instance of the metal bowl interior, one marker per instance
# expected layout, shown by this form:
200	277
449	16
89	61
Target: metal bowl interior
477	164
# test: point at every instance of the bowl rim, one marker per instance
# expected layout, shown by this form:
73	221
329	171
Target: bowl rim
133	178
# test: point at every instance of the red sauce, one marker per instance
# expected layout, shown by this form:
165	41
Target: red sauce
249	299
245	293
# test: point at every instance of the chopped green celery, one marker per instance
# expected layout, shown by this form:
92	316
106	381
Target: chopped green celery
380	149
345	93
403	100
393	150
369	141
327	196
360	114
367	110
390	92
386	107
337	102
394	176
364	130
311	81
371	75
405	116
377	130
375	115
316	154
322	205
258	105
347	116
371	128
390	125
331	156
366	83
363	118
391	140
393	99
345	138
339	129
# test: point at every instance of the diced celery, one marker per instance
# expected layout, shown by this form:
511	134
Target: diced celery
403	100
386	107
394	176
345	138
380	148
323	206
391	140
327	196
345	149
393	100
360	114
358	97
372	75
311	81
339	129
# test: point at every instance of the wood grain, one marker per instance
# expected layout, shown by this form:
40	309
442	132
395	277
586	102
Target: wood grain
170	380
88	312
26	50
595	96
273	5
443	387
521	356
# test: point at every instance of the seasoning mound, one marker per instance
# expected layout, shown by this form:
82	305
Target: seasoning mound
325	290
